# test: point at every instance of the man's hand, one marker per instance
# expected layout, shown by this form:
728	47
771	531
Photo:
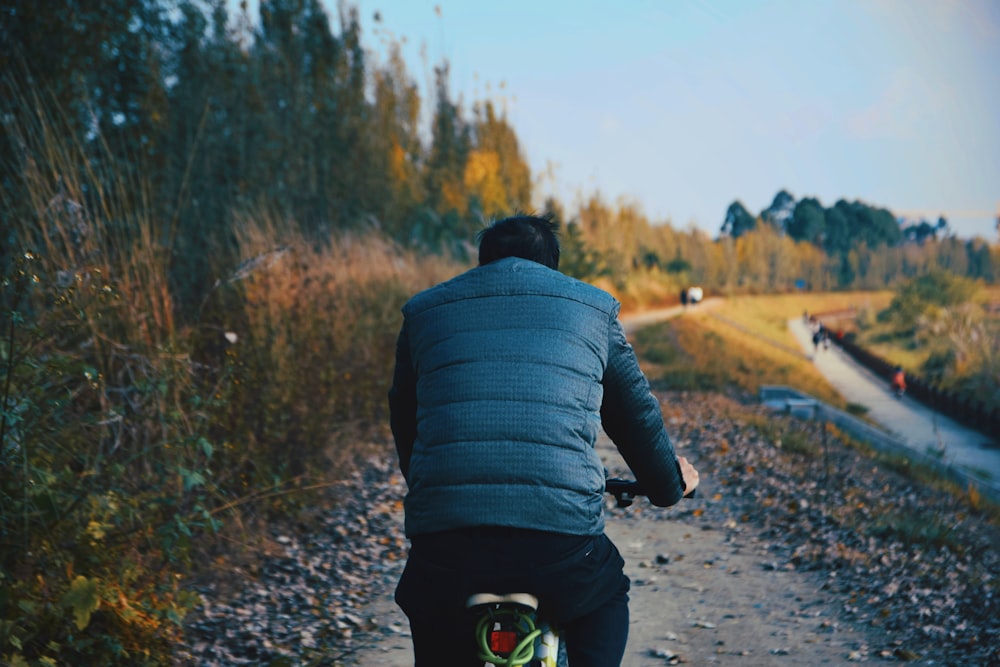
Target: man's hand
690	476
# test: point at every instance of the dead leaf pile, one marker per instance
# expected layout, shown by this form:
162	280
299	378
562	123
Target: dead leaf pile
305	607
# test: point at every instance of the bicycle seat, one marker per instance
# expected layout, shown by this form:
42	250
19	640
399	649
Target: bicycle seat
523	599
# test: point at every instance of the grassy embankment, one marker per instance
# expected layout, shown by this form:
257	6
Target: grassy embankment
744	342
880	337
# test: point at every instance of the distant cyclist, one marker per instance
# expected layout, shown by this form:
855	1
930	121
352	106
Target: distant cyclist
898	381
504	376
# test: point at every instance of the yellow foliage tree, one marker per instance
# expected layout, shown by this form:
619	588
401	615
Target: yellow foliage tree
484	181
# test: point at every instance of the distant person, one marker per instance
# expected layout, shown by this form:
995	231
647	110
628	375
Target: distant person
818	337
684	297
898	381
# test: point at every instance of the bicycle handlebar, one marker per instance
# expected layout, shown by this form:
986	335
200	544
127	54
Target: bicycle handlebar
626	490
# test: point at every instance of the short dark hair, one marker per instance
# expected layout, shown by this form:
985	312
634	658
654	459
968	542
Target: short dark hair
533	237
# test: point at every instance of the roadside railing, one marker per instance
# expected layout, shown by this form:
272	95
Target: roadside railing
803	406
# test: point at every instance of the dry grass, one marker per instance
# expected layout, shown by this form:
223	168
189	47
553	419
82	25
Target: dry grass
104	465
315	336
127	433
642	290
705	354
768	316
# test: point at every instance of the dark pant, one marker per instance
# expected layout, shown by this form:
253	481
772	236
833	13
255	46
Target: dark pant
578	580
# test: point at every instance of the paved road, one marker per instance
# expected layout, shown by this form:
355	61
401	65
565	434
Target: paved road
913	423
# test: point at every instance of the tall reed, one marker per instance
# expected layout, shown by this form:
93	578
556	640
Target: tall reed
105	472
126	431
314	339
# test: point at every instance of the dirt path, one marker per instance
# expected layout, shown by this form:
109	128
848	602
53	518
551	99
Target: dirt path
789	556
633	321
799	550
702	593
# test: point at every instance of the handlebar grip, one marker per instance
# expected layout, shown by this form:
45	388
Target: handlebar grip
625	491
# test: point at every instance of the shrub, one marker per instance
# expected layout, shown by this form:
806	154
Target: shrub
105	478
313	334
936	288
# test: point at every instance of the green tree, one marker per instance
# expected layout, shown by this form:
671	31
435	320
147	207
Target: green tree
357	183
396	145
780	212
738	220
952	255
808	221
496	172
837	230
100	61
575	257
450	145
850	223
205	158
981	261
94	71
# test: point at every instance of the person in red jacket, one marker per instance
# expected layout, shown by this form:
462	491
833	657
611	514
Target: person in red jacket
898	381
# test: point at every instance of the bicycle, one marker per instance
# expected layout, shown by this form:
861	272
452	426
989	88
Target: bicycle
509	632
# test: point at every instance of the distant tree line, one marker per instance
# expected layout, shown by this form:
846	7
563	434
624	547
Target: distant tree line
210	116
790	245
836	229
868	245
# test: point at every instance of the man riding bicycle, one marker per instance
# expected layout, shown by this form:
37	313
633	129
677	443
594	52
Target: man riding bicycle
503	376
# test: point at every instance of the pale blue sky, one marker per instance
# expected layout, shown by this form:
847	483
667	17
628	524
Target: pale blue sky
683	106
